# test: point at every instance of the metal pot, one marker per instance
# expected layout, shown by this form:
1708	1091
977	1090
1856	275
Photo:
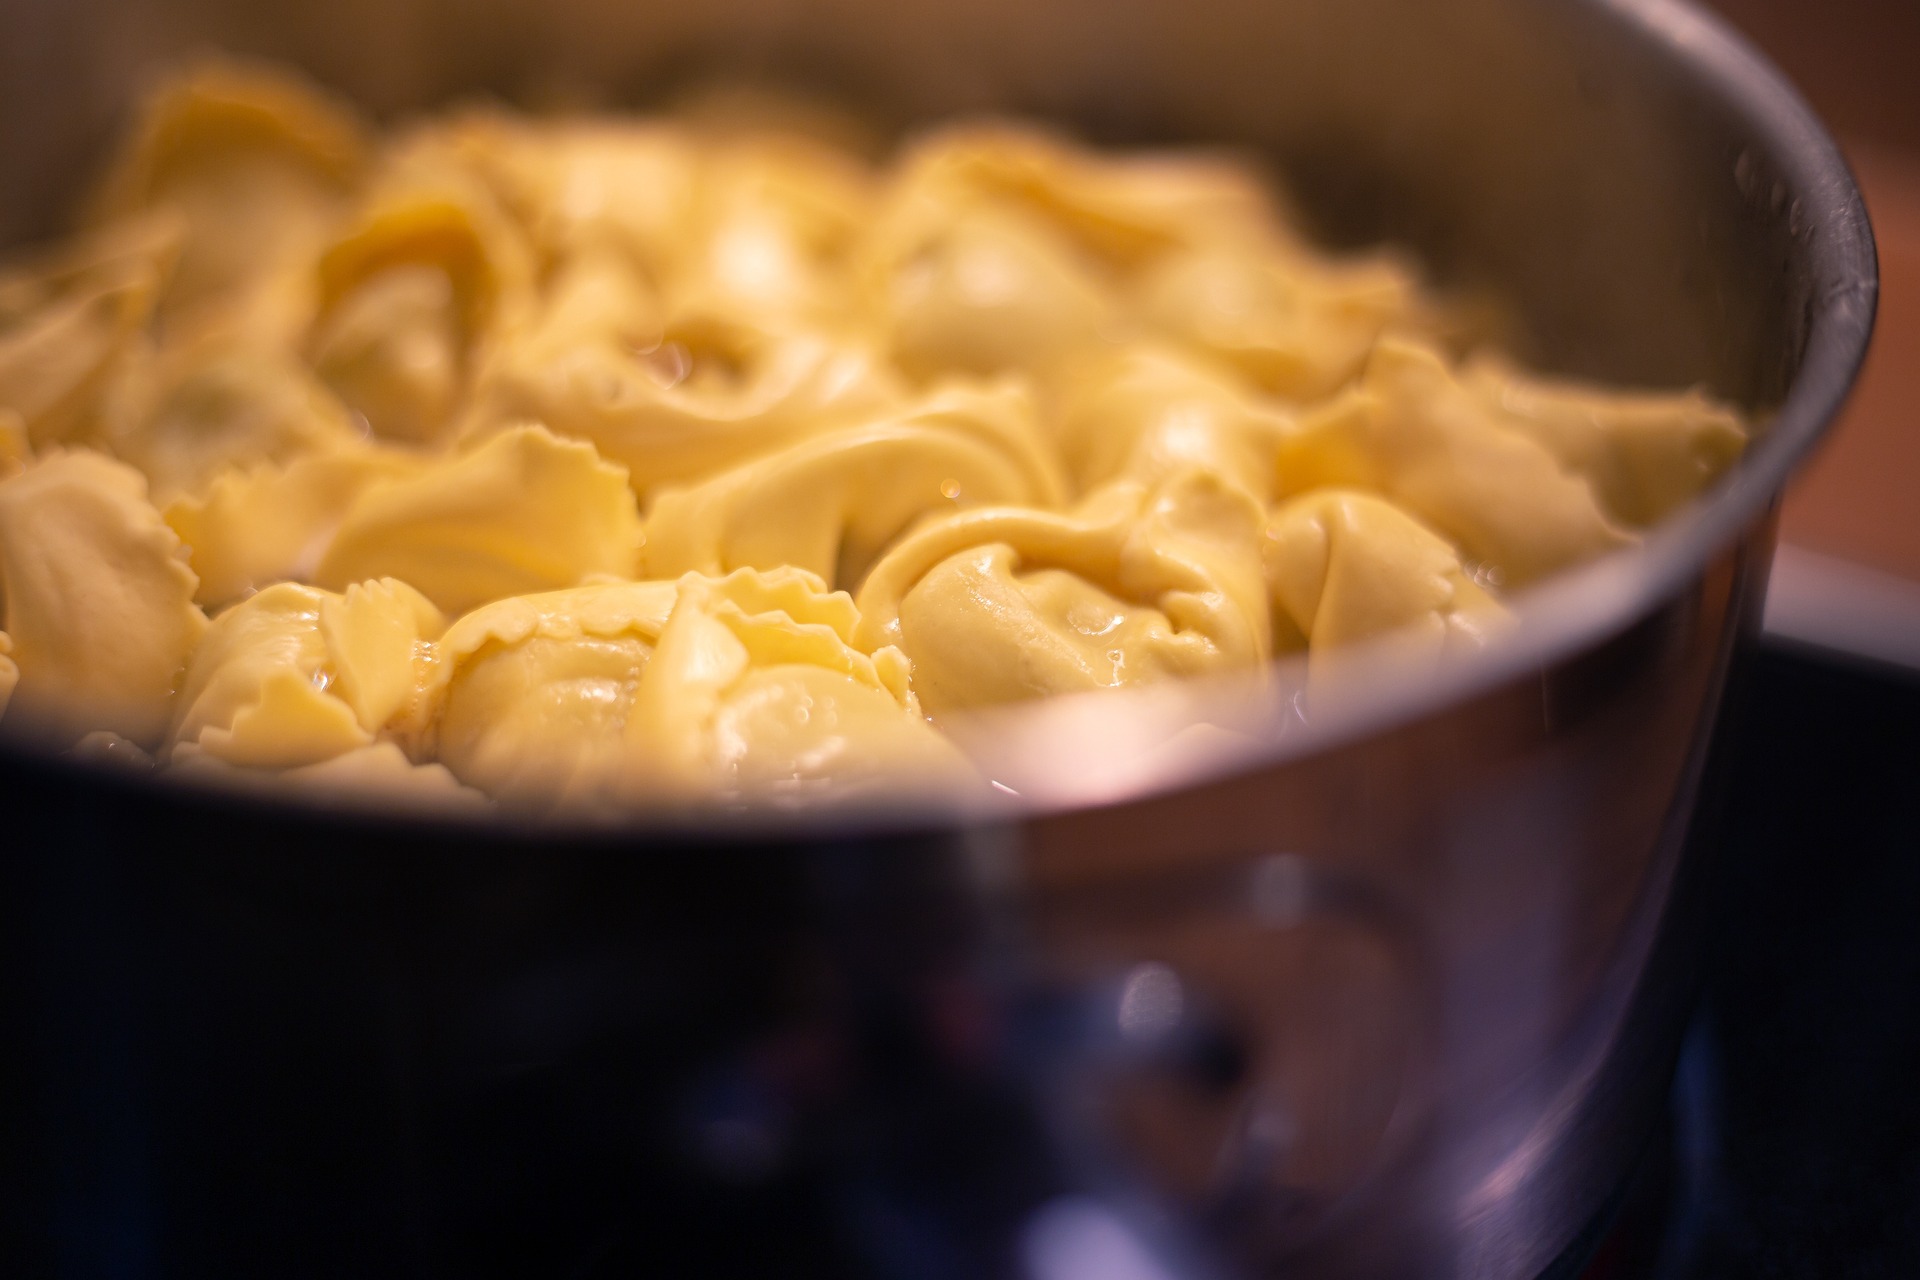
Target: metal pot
1389	990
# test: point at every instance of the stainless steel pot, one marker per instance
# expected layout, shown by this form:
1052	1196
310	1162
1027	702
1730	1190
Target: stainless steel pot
1389	989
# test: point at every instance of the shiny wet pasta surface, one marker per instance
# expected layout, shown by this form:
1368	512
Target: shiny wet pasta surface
597	462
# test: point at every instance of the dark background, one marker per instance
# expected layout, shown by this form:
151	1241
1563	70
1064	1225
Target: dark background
1796	1145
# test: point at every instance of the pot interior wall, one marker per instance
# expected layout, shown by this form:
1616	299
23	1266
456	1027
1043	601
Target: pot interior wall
1520	146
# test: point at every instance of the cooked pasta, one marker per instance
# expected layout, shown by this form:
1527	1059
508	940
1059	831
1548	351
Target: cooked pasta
586	463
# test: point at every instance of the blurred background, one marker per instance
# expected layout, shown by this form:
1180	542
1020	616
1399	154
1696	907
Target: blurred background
1797	1126
1854	59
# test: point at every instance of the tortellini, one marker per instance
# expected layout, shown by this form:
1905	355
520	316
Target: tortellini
675	399
1137	584
410	297
830	504
1152	410
255	167
99	599
1644	455
221	403
294	675
260	525
1411	431
523	511
1346	566
745	686
586	463
72	329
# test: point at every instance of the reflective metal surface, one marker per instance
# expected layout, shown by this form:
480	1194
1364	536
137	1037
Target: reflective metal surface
1394	989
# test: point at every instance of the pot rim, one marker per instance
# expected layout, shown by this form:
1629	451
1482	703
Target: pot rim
1564	615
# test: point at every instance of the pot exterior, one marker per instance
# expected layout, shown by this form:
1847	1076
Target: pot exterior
1455	958
1401	1006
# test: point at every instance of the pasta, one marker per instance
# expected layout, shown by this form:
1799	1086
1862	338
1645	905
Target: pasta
589	463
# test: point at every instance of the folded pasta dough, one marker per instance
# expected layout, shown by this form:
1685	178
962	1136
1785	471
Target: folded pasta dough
531	694
777	216
9	671
377	776
257	165
1149	411
1003	248
72	327
985	293
99	599
674	398
1121	212
1644	453
695	690
584	187
431	271
294	676
758	690
831	503
1346	566
1299	326
1139	583
256	526
1411	431
219	402
523	511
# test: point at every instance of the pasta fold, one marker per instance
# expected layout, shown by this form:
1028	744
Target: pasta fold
748	686
412	296
830	504
1346	566
256	167
1151	411
1412	432
1645	453
223	401
675	398
1139	583
523	511
376	776
295	676
259	525
98	599
72	328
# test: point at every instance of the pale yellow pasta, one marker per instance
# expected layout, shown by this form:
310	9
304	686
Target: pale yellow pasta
748	685
523	511
1411	431
1137	584
1347	566
592	187
1152	410
1645	455
426	276
256	167
830	504
1298	327
777	216
586	462
72	329
675	399
221	402
99	600
295	676
269	523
